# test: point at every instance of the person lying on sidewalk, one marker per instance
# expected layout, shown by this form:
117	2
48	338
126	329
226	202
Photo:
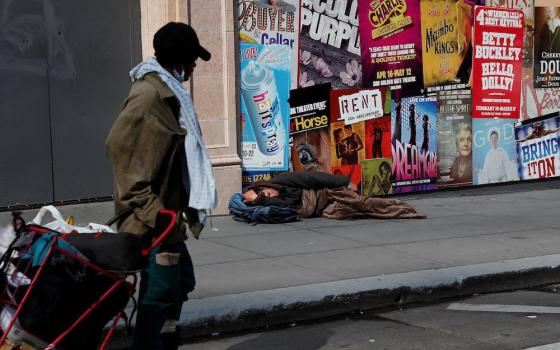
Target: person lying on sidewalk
320	194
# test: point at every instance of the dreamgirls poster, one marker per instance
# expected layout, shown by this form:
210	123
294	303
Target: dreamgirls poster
538	148
494	153
271	22
265	87
455	138
309	128
330	44
414	144
391	43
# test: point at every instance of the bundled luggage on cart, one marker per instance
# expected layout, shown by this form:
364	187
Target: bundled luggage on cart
59	291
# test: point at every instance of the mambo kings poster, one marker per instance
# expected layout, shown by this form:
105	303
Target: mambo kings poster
538	148
498	62
414	144
309	128
391	43
354	117
329	44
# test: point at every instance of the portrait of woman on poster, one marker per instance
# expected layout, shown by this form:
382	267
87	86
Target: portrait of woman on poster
461	169
549	39
339	144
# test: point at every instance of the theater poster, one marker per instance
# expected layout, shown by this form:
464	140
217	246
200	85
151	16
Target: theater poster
498	62
455	138
538	102
329	46
264	90
355	114
309	128
391	43
266	22
376	177
494	151
414	144
447	44
538	148
249	177
547	44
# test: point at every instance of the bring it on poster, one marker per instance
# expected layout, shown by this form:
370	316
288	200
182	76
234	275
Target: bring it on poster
455	138
547	44
391	42
309	128
414	144
329	44
447	43
538	148
360	128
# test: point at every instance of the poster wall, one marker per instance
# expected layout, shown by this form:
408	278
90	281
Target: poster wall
447	45
455	138
309	128
497	62
329	44
376	177
414	144
494	151
264	22
538	149
547	44
391	44
265	87
354	112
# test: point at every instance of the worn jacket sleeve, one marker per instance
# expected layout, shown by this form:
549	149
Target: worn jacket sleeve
310	180
136	147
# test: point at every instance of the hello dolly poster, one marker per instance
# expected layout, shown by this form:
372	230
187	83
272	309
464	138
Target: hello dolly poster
329	44
447	43
414	144
391	44
360	127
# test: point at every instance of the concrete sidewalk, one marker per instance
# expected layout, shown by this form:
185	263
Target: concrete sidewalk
474	241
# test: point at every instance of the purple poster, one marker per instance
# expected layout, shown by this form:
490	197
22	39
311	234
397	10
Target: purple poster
391	45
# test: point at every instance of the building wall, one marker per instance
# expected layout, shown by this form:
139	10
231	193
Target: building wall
213	85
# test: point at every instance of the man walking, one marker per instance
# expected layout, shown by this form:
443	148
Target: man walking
159	161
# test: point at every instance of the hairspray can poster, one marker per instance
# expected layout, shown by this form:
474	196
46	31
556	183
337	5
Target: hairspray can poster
271	22
547	44
498	62
455	138
391	45
494	153
538	148
447	43
265	87
329	44
414	144
309	128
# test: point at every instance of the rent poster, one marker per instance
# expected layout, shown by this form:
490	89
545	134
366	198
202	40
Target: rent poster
376	177
309	128
497	62
354	112
414	143
329	44
267	22
447	44
455	138
494	151
265	87
547	44
391	43
538	148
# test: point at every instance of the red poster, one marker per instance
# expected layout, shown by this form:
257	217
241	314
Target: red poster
497	62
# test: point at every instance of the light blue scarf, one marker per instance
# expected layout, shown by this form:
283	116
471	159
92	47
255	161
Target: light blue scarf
200	183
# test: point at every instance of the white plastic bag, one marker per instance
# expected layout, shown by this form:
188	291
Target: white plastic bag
60	225
7	235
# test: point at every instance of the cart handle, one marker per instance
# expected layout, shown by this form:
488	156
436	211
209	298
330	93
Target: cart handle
165	233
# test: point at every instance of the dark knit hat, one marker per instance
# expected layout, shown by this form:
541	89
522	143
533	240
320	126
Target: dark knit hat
177	43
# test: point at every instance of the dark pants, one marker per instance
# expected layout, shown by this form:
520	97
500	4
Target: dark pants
163	290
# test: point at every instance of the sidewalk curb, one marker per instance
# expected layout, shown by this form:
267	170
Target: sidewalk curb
236	312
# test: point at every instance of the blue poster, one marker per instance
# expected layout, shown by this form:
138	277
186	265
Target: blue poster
265	113
494	151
